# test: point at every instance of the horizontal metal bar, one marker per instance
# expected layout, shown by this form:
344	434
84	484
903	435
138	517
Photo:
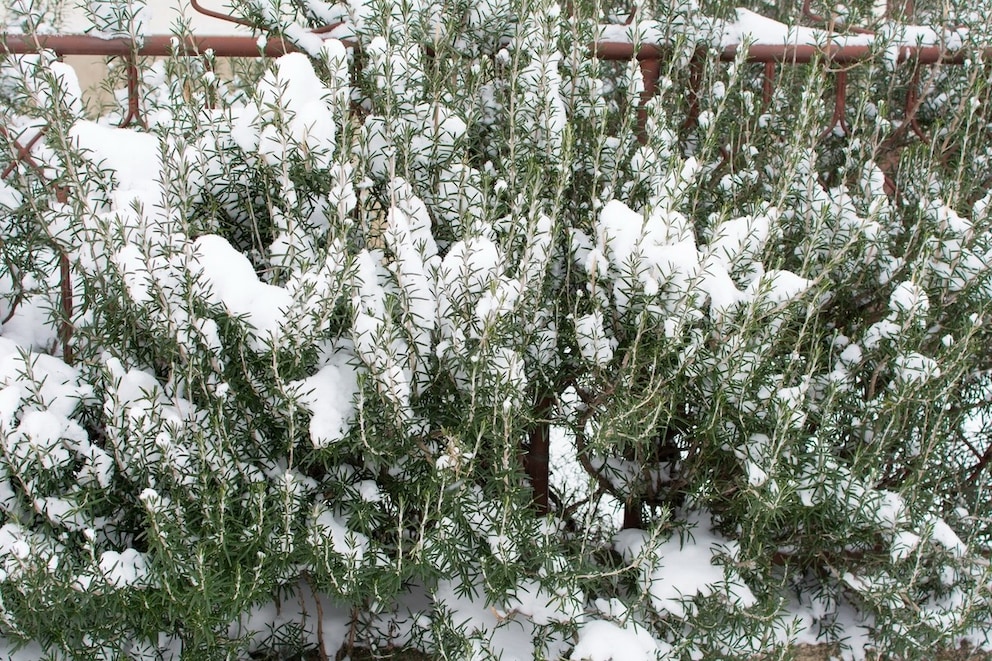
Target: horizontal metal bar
153	45
247	46
799	53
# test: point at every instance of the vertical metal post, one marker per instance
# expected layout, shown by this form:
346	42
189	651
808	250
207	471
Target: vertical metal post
133	107
768	84
650	69
696	69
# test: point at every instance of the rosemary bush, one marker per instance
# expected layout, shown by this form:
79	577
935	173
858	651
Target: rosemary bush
323	313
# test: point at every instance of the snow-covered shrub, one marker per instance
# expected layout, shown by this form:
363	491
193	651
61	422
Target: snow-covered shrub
276	368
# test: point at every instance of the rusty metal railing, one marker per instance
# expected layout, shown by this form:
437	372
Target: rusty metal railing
649	57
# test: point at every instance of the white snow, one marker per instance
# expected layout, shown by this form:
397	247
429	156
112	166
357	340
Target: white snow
131	156
308	120
909	298
741	239
754	28
329	396
879	331
127	569
851	355
229	280
602	640
10	199
779	286
131	265
946	537
916	368
299	609
749	27
510	636
904	544
55	385
682	567
330	532
542	606
38	439
595	344
23	551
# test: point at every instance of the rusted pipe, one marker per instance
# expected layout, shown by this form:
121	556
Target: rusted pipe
839	117
619	50
219	15
324	29
23	153
650	70
151	46
231	18
65	282
246	46
696	70
798	53
804	54
913	102
133	107
767	84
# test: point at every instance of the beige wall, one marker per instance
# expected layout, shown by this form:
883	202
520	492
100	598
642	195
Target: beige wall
91	71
